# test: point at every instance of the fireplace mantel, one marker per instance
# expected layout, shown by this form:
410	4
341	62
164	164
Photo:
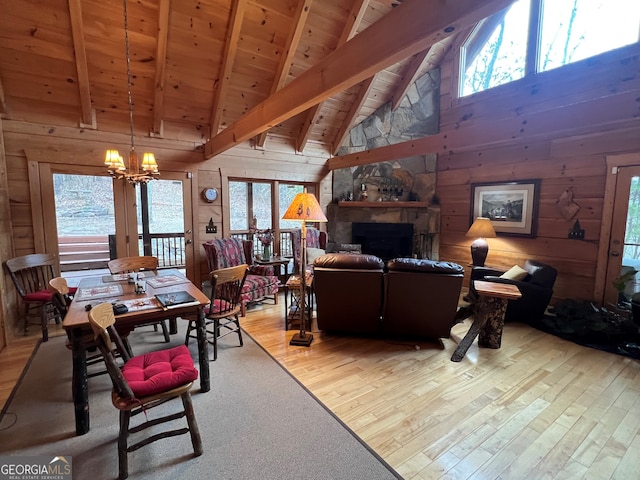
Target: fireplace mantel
383	204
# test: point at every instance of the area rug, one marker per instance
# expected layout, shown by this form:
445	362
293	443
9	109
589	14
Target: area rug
592	326
256	422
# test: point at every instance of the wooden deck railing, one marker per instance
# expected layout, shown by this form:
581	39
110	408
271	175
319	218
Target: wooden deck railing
94	251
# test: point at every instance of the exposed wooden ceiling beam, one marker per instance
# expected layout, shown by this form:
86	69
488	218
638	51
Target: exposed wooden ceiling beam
161	63
354	18
300	18
230	51
363	93
77	32
617	108
411	26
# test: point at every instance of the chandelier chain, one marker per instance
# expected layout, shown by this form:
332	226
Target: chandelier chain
128	58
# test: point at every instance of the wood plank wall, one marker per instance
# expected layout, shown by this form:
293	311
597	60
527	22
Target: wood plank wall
7	292
32	145
571	158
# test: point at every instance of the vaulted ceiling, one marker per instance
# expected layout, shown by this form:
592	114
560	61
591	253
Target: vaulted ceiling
199	66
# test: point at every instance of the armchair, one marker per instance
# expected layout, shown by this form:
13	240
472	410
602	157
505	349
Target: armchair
536	288
231	252
315	239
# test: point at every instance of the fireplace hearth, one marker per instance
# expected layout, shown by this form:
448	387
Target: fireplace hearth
384	240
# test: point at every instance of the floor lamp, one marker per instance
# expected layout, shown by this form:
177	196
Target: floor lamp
304	208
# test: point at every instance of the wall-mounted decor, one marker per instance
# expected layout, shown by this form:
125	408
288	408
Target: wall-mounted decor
511	206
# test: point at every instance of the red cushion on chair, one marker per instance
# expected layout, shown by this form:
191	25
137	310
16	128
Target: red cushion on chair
39	296
73	290
159	371
218	306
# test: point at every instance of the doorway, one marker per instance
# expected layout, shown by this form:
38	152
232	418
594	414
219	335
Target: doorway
623	255
89	218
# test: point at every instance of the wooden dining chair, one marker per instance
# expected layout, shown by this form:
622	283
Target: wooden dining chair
62	294
224	306
30	275
143	382
134	265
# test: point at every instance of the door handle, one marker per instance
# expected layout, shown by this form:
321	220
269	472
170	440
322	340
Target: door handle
188	241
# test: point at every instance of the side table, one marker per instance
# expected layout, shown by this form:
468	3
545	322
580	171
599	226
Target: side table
488	316
292	294
278	263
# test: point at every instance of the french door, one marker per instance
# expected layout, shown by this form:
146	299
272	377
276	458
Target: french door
88	218
624	241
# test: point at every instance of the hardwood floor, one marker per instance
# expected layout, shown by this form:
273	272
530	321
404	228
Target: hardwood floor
537	408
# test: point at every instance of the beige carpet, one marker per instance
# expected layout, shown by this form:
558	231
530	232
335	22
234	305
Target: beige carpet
256	422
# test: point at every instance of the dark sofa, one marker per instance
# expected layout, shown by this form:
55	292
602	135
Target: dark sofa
407	297
421	297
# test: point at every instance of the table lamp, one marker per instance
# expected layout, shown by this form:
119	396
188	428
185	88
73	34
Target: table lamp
304	208
481	229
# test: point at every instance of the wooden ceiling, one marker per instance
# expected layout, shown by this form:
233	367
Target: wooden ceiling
198	66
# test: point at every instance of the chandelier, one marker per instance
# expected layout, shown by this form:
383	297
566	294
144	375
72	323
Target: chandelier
135	173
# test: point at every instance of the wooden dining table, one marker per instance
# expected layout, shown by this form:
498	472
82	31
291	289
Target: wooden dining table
142	308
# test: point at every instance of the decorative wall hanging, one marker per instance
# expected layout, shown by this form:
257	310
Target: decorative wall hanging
567	207
512	207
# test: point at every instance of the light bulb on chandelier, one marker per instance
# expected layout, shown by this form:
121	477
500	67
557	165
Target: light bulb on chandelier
134	173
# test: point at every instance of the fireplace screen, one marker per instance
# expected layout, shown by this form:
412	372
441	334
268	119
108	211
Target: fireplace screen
384	240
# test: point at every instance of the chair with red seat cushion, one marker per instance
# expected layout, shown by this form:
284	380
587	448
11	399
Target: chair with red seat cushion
143	382
224	307
31	275
231	252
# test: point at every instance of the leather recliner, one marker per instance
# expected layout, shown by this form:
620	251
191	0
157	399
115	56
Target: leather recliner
349	292
536	289
421	297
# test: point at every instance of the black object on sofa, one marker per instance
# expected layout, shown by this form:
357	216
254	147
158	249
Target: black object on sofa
536	289
421	297
349	292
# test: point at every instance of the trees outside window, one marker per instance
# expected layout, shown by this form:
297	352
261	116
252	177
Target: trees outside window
566	31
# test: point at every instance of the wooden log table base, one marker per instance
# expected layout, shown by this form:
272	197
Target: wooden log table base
488	314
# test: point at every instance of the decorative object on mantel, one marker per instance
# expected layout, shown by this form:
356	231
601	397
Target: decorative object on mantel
113	159
304	208
565	204
480	229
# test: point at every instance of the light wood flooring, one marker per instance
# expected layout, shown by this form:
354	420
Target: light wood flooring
539	407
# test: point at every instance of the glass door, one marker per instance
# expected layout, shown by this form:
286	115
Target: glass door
624	245
163	214
85	220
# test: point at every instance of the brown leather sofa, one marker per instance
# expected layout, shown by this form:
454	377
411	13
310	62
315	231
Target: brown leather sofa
421	297
349	292
406	298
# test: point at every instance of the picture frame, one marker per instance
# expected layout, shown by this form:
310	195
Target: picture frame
512	207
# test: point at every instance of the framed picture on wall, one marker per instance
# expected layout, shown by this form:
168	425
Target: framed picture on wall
512	207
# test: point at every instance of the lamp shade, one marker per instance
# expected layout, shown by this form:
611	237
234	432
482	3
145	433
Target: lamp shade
481	228
305	208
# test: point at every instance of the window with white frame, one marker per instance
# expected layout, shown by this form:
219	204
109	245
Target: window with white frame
566	31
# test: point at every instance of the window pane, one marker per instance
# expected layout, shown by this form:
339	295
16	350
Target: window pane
573	30
496	52
262	204
165	207
239	211
631	251
287	193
